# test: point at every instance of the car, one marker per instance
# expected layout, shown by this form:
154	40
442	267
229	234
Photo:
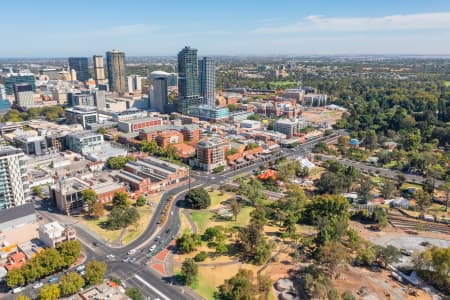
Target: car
53	280
80	268
426	244
82	273
132	260
157	238
110	256
167	230
132	252
18	290
49	209
94	244
152	248
406	252
125	260
38	285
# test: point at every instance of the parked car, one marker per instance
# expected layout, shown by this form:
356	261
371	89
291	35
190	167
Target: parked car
132	252
53	280
38	285
406	252
80	268
18	289
152	248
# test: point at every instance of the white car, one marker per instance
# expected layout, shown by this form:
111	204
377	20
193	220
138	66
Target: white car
18	289
110	256
132	252
152	248
38	285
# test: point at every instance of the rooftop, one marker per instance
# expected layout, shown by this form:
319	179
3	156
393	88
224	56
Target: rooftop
9	150
17	212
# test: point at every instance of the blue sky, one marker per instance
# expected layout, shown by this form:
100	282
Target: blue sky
66	28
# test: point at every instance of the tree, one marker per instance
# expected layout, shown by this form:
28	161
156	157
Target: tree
331	255
400	180
71	283
253	244
264	284
387	188
218	169
189	271
379	216
95	270
423	199
201	256
348	295
327	206
15	278
252	190
330	183
70	251
120	200
90	198
388	255
141	201
49	292
187	242
134	293
101	130
197	198
238	287
98	210
118	162
22	297
365	186
446	188
37	190
235	207
221	248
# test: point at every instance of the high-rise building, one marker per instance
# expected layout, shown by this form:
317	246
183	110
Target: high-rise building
14	186
188	84
159	97
115	64
99	69
207	79
2	92
24	95
134	83
81	66
10	79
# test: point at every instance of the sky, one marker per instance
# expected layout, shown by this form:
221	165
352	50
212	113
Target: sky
44	28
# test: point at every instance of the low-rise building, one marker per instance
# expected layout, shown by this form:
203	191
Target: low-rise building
31	145
85	142
52	234
169	137
18	224
82	115
289	127
161	175
138	124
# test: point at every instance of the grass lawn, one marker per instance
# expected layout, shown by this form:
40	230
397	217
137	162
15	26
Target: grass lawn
201	218
408	185
447	83
218	196
95	225
133	232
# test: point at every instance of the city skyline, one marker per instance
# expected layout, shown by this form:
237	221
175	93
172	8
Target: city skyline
284	27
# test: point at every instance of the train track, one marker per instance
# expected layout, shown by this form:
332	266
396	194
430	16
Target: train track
412	224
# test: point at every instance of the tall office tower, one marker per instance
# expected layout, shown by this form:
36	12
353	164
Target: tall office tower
13	78
115	64
81	66
134	83
159	97
2	92
207	79
14	188
24	95
99	70
73	75
188	84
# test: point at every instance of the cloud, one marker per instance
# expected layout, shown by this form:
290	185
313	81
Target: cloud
124	30
386	23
